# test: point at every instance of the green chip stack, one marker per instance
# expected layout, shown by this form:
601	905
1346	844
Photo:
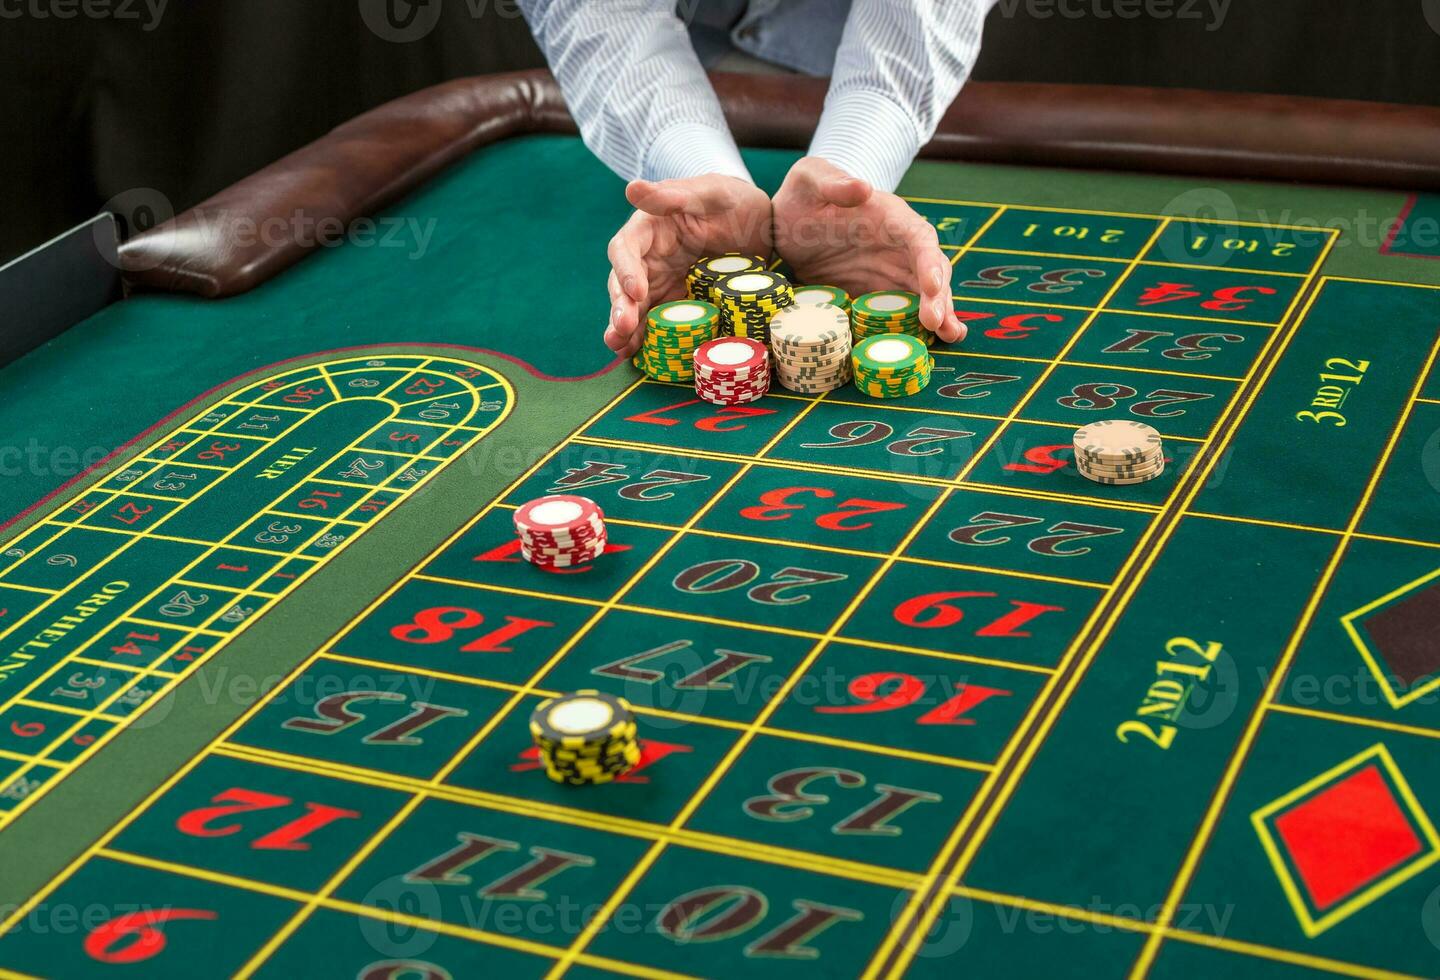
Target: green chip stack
818	295
703	275
672	333
747	301
887	312
585	737
892	365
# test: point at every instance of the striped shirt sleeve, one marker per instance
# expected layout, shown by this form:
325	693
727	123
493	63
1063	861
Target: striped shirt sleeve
635	87
899	66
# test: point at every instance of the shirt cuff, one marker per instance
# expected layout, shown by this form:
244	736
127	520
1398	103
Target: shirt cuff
868	136
690	150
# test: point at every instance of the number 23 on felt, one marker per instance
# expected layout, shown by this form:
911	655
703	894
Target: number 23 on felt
779	505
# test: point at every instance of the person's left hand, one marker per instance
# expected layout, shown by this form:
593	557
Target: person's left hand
675	223
837	230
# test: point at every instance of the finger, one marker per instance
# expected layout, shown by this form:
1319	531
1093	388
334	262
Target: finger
613	340
952	331
935	300
626	337
949	328
957	325
931	274
630	345
625	251
612	335
624	316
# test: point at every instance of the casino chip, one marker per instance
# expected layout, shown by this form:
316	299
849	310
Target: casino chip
815	295
672	333
732	371
703	275
887	312
811	345
748	300
585	737
892	365
1119	452
560	531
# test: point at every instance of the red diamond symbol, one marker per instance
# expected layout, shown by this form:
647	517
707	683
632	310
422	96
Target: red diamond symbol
1347	836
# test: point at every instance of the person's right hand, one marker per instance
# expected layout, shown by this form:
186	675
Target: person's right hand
676	223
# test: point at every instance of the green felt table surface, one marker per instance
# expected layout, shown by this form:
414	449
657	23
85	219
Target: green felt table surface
915	696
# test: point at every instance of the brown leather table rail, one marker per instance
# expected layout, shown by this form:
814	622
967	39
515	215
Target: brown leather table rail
378	157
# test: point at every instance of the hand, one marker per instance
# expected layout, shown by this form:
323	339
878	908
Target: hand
837	230
677	222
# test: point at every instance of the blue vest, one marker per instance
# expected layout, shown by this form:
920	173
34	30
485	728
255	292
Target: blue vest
798	34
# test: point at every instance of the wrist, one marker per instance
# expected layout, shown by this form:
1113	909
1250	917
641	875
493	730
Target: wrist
692	149
867	135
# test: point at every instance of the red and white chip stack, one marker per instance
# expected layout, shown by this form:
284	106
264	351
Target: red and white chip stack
732	370
560	531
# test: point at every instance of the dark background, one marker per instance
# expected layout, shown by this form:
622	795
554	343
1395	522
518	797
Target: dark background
95	106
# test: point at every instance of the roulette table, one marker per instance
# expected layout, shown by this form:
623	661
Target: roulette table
913	696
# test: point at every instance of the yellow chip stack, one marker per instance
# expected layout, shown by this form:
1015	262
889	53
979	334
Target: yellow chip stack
585	737
703	275
748	300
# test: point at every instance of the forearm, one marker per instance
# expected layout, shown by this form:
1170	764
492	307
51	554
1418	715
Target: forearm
635	87
899	66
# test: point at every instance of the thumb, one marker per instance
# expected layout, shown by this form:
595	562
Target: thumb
845	191
660	199
831	185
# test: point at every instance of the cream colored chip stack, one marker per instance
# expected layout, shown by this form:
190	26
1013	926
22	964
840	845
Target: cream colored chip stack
811	347
1119	452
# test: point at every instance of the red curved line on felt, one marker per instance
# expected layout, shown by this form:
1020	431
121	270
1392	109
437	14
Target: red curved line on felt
1387	247
525	365
188	406
1398	223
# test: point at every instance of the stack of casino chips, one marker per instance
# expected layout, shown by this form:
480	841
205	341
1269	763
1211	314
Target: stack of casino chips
1119	452
560	531
888	311
811	345
672	333
732	371
815	295
703	275
585	737
748	300
892	365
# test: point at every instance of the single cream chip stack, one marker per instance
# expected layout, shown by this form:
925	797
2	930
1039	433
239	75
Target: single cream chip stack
1119	452
811	347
